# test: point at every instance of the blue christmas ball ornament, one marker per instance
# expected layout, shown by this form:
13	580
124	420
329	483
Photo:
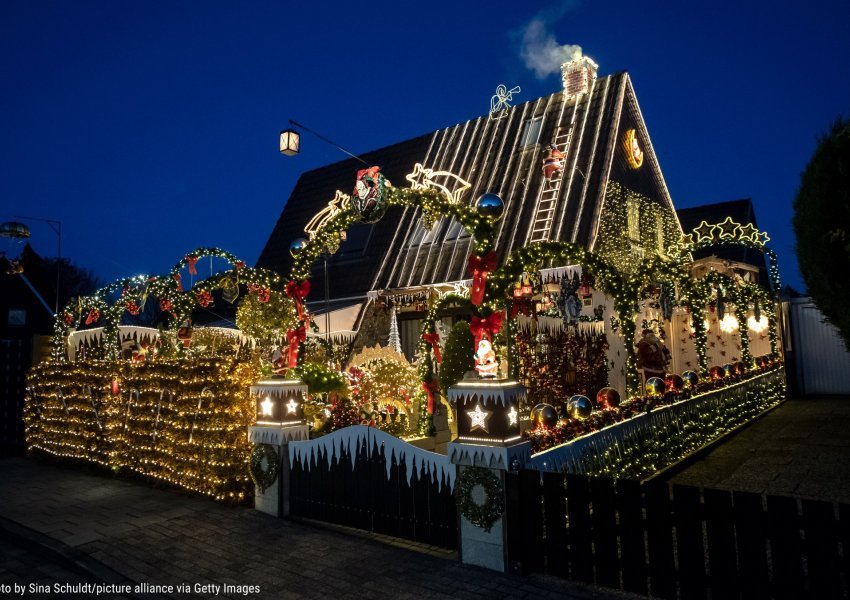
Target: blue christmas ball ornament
296	246
490	206
691	379
654	386
579	407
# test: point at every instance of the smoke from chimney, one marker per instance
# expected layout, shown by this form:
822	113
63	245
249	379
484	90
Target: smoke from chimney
542	53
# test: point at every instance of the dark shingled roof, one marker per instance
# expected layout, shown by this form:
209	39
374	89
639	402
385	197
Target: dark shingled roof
487	153
742	212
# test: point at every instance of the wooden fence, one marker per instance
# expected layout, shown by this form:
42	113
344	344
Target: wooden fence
676	541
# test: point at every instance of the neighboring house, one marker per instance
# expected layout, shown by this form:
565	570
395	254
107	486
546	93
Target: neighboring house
24	317
741	258
610	196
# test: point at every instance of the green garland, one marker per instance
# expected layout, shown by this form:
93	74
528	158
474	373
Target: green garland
491	510
264	476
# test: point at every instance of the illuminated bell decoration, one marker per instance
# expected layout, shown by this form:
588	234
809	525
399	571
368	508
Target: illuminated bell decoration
290	142
526	288
673	382
296	246
716	373
579	407
608	398
544	415
691	379
654	386
490	206
728	370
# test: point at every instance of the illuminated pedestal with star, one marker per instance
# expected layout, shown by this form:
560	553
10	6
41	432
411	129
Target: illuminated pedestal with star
280	420
488	444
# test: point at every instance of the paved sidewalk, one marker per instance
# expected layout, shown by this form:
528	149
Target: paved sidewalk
132	531
801	448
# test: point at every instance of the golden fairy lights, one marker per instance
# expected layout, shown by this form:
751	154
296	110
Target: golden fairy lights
183	422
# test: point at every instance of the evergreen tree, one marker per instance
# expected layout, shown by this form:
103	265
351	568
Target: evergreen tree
457	358
822	227
394	341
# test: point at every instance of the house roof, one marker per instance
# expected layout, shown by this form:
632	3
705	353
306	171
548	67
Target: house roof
490	155
740	211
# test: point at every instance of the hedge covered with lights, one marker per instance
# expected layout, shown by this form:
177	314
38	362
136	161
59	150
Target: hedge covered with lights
645	435
183	422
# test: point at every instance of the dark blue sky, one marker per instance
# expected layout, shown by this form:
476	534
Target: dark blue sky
151	130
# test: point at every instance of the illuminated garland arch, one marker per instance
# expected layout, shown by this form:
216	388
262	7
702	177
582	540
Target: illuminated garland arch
433	205
740	293
166	289
730	233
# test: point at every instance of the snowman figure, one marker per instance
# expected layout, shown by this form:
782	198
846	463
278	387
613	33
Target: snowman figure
485	360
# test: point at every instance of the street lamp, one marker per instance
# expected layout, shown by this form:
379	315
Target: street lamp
290	142
290	145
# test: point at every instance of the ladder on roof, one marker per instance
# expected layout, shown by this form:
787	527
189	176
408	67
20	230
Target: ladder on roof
548	200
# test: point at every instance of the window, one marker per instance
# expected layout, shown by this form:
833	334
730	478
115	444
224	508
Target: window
455	231
633	219
356	239
421	235
17	317
531	133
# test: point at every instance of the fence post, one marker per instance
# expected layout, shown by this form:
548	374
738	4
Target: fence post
488	445
280	420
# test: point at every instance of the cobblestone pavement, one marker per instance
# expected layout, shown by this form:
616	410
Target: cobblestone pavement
132	532
801	448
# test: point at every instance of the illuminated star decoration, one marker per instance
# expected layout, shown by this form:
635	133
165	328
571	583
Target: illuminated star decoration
728	228
320	219
478	418
291	407
512	415
704	232
762	238
749	232
267	405
453	186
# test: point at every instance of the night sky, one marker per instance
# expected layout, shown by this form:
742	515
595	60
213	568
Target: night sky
152	130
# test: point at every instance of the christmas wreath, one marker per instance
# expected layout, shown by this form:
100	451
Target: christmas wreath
479	497
265	465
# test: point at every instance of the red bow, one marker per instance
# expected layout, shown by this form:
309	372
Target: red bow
486	327
371	173
431	388
295	337
520	306
434	340
480	269
132	308
205	298
240	264
298	291
93	316
191	259
179	281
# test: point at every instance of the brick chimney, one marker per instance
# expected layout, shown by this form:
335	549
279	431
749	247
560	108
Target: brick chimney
578	74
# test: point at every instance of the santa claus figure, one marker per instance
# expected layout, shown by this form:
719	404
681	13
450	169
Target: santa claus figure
553	163
485	360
